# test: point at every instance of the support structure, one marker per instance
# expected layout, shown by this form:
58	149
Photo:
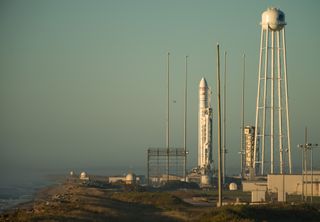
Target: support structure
249	132
272	125
157	171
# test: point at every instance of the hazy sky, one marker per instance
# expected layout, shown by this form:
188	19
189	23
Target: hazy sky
83	83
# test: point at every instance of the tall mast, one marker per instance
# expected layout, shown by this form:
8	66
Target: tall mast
185	121
168	117
219	129
224	152
242	151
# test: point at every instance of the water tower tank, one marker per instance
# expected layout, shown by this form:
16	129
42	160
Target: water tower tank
273	18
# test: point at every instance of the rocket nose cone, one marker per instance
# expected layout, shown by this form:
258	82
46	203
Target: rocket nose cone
203	82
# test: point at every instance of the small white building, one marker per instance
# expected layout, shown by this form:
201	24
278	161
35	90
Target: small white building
130	178
84	176
308	184
164	178
115	179
258	190
284	184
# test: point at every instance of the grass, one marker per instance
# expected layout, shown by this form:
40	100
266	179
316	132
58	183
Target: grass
81	203
162	200
262	213
171	202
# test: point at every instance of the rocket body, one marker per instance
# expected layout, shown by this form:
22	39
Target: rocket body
204	132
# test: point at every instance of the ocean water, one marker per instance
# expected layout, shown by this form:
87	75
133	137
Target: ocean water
19	186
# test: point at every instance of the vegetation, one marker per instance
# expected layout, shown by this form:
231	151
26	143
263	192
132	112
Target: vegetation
96	202
262	213
172	202
162	200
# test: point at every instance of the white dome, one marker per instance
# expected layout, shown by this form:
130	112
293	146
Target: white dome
130	177
83	175
233	186
273	19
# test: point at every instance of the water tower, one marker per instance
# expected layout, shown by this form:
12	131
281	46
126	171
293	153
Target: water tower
272	151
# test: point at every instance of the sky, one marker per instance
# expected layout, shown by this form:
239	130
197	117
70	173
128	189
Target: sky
83	83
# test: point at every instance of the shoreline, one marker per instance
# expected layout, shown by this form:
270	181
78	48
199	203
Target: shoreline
75	200
96	200
15	195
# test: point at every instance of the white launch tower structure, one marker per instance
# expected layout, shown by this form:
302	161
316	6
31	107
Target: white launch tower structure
272	134
205	133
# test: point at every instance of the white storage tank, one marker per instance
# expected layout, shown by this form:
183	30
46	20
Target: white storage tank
130	178
233	186
273	18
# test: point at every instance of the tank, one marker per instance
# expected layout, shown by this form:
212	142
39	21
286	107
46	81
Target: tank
233	186
273	19
130	178
83	175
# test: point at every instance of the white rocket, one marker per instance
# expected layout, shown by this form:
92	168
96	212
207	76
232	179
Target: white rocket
205	133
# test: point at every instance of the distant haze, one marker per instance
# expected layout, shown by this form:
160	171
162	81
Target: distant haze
83	83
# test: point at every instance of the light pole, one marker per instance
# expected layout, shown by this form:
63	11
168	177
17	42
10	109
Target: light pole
185	122
283	178
168	115
306	147
242	149
241	153
311	148
219	130
303	169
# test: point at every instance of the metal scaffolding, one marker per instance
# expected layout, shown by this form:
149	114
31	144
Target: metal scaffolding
165	164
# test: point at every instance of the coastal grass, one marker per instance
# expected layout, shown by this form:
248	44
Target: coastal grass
162	200
262	213
172	205
77	202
